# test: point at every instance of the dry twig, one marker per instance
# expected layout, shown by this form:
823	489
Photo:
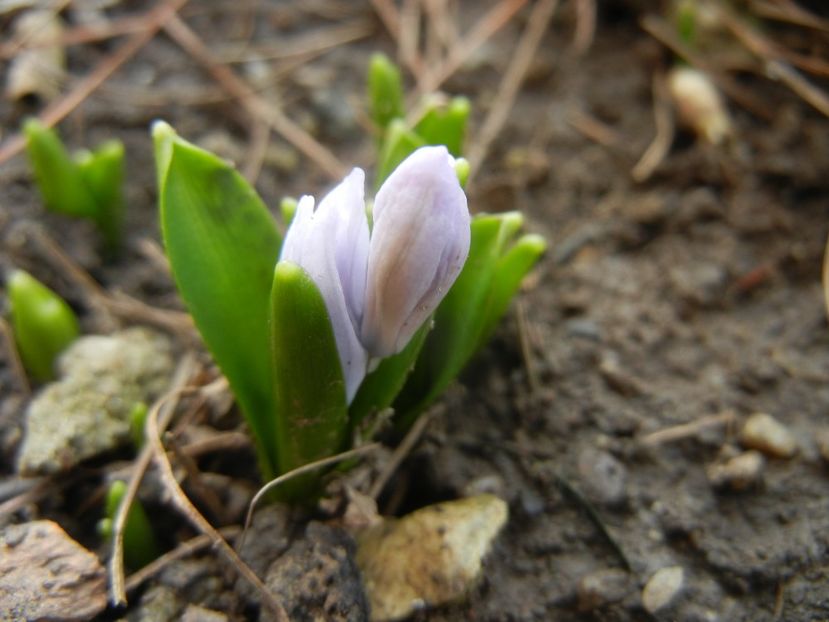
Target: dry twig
495	19
661	144
539	19
685	430
403	450
302	470
195	518
56	112
166	405
256	107
185	549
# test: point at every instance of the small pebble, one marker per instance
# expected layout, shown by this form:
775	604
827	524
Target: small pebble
764	433
739	472
662	588
603	587
603	476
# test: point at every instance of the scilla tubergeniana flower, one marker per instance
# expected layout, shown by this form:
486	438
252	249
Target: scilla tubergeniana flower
380	288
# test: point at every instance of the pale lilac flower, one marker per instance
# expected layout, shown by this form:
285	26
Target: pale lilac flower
331	245
419	243
379	290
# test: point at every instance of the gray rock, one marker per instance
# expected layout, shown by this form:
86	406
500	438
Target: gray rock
45	575
318	579
87	411
603	476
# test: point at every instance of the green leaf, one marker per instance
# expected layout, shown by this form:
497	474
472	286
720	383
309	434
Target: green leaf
57	175
44	325
465	319
510	270
385	91
399	143
103	172
311	412
140	546
380	387
445	124
223	244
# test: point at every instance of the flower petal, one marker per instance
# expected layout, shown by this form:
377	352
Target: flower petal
331	245
418	246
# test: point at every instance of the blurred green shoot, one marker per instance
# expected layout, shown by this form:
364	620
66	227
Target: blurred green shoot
87	184
140	545
44	325
137	419
442	121
385	93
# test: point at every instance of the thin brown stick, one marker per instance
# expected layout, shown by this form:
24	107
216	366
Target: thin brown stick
306	46
389	15
257	107
118	304
260	138
685	430
302	470
661	143
15	363
526	348
594	129
221	441
520	62
185	549
810	93
495	19
86	33
790	12
166	405
585	29
407	43
56	112
189	511
404	449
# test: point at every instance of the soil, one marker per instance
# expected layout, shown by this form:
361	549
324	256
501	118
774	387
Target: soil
693	295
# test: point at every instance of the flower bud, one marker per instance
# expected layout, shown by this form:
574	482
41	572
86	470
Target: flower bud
419	243
331	245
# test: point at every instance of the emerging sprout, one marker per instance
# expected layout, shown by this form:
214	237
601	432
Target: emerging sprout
86	184
43	324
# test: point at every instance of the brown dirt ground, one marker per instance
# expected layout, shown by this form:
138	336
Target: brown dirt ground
693	294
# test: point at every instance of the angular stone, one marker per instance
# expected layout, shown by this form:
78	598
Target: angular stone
45	575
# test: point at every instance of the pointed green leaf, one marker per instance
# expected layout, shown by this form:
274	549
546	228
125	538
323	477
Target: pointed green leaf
57	175
399	143
385	91
510	271
311	413
222	244
44	325
445	124
103	172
